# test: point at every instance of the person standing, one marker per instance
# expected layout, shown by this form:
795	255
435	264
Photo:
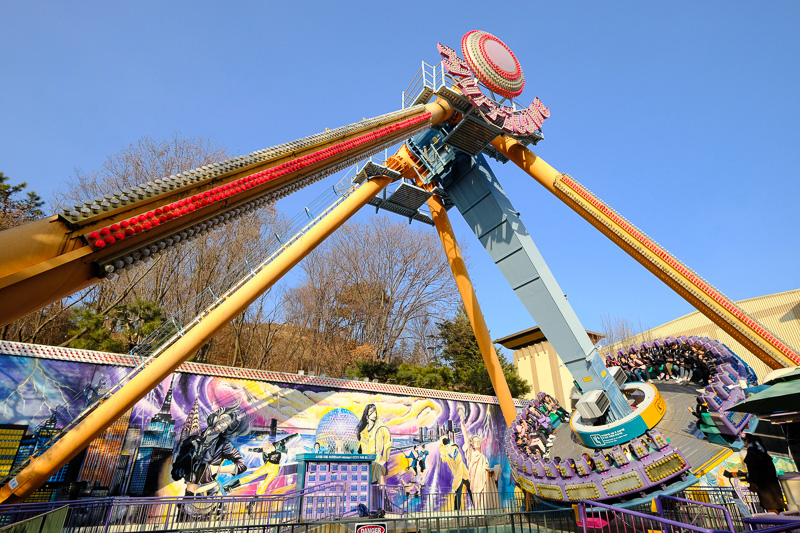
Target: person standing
761	475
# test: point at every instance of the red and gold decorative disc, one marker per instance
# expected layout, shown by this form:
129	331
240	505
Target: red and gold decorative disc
493	63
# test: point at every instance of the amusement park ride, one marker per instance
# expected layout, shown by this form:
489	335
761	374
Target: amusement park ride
442	161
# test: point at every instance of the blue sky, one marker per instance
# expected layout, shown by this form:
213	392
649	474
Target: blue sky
681	115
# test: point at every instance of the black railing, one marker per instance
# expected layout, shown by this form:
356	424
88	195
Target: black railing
399	501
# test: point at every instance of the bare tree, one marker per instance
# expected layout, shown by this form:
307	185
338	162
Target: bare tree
620	330
366	292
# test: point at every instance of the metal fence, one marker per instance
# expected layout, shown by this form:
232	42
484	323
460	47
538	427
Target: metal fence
692	512
401	501
596	517
322	508
189	513
525	522
681	515
233	516
704	505
47	522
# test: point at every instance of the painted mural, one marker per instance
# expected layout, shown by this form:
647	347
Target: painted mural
202	434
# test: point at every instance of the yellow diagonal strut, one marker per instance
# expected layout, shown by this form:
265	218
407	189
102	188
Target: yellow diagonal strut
754	336
473	309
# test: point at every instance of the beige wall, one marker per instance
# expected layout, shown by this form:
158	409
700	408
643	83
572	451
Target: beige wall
539	364
543	369
780	313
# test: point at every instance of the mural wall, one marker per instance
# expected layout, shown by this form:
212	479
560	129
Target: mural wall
207	434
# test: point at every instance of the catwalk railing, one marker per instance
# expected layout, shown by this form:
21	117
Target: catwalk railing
259	513
522	522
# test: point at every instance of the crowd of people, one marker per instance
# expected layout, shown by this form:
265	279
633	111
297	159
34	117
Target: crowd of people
680	362
534	433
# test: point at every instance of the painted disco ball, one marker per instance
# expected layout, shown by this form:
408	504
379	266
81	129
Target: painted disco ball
336	431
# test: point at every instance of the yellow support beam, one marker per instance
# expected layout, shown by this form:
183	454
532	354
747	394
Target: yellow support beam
719	309
473	308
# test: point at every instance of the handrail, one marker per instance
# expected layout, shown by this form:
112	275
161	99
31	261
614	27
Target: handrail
786	524
660	507
664	521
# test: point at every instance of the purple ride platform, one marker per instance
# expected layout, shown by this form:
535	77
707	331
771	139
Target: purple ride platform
663	459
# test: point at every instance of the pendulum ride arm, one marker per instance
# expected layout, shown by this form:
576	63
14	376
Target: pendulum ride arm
478	196
705	298
43	467
50	259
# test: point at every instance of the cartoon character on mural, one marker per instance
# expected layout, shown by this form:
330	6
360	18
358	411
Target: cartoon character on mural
200	457
317	448
271	453
374	437
483	479
454	459
413	457
423	455
416	461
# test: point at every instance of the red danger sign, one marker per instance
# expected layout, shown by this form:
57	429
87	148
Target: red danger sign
375	527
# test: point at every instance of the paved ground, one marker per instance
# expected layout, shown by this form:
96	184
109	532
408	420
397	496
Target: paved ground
678	425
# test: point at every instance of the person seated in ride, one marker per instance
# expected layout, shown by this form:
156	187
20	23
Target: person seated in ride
701	368
693	365
626	367
683	373
585	465
539	419
556	409
639	367
657	362
619	456
669	361
566	467
700	408
551	468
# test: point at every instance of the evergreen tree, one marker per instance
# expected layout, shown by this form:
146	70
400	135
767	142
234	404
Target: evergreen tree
117	331
14	212
460	353
460	366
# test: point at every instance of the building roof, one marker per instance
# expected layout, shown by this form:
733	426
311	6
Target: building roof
534	335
